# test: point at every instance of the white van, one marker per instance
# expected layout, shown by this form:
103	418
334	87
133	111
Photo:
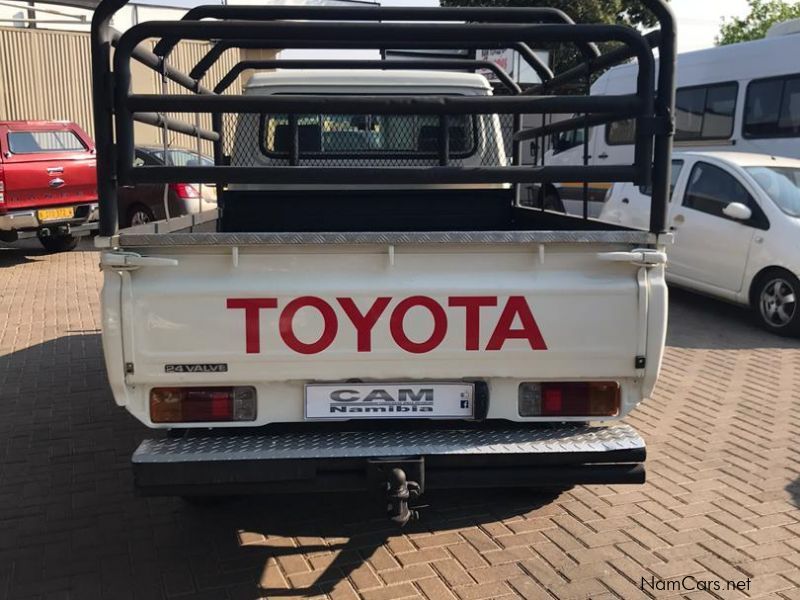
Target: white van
742	97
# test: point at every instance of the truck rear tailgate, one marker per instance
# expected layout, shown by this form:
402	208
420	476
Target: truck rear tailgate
277	317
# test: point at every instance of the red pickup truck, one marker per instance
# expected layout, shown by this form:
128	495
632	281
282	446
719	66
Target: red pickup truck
48	185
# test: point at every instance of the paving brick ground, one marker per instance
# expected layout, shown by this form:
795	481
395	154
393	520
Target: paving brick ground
721	503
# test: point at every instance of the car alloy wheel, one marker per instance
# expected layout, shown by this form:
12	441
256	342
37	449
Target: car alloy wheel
778	303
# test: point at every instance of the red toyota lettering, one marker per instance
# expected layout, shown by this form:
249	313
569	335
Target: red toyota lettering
329	329
516	322
396	324
364	322
252	320
516	306
473	305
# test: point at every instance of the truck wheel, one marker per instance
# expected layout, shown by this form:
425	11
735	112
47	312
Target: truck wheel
59	243
775	302
139	214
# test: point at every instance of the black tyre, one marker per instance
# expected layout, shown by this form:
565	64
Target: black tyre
139	214
775	302
59	243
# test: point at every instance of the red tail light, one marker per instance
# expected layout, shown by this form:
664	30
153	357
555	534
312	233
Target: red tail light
569	399
185	191
202	404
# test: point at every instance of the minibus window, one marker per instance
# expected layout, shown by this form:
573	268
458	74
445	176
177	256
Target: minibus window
702	113
772	109
789	121
706	113
689	109
720	109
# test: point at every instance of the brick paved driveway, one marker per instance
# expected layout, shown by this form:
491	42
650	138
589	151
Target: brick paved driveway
721	502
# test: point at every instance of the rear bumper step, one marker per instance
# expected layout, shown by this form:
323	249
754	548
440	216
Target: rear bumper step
343	461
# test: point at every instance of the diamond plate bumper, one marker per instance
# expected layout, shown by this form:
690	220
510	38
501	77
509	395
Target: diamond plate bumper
337	460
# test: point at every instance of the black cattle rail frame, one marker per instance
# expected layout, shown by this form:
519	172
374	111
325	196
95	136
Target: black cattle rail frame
378	28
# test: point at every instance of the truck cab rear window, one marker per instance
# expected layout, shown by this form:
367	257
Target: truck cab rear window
366	136
32	142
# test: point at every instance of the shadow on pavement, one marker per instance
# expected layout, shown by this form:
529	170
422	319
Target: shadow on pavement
794	489
30	251
18	254
352	526
697	321
68	507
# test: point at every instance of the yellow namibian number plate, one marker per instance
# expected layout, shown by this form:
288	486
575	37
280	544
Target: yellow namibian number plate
55	214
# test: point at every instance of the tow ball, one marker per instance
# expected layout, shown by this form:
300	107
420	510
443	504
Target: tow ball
398	490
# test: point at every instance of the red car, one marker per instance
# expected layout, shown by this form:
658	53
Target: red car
48	184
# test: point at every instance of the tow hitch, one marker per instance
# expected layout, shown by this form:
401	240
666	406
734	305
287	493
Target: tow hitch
392	480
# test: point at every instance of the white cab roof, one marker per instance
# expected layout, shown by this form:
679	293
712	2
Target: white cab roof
366	78
742	159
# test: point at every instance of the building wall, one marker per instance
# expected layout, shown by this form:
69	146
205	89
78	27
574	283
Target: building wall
46	74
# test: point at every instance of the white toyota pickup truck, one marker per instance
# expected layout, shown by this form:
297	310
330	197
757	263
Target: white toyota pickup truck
372	308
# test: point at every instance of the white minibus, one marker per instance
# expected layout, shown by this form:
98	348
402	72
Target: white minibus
742	97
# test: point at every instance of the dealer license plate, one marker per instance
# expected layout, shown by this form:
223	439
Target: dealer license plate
56	214
390	401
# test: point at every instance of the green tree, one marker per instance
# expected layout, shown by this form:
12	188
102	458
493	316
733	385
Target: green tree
625	12
763	15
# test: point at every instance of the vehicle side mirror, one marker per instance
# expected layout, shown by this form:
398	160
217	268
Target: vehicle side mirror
738	211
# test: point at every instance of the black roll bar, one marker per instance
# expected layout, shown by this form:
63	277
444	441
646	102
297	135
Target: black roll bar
665	111
216	51
162	120
601	63
568	125
368	35
350	13
651	107
613	106
158	64
379	176
378	65
102	36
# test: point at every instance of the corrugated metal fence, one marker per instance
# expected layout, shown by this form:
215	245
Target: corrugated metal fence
47	75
